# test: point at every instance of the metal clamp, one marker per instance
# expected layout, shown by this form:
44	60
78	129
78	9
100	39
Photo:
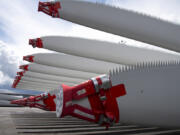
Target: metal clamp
101	82
104	119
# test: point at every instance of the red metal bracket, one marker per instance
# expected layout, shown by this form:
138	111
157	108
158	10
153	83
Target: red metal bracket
102	97
21	73
29	58
16	81
50	8
35	101
36	43
24	67
18	78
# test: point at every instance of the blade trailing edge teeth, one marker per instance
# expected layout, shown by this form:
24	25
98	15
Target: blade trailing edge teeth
144	65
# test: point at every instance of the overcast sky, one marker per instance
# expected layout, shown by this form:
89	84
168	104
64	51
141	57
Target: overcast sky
20	21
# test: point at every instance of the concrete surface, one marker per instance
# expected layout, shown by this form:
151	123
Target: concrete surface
26	121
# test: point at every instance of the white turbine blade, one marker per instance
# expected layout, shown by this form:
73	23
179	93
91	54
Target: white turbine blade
52	77
42	85
105	51
32	88
5	103
121	22
71	62
9	97
32	79
152	94
57	71
39	84
145	94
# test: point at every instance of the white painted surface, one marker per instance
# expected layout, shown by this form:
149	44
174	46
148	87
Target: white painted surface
122	22
29	87
60	79
74	62
60	71
24	84
6	103
39	84
152	96
106	51
33	79
59	102
9	97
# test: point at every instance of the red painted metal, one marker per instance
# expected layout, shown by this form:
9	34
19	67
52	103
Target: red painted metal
42	101
21	73
50	8
28	58
16	81
108	107
18	78
100	93
36	43
24	67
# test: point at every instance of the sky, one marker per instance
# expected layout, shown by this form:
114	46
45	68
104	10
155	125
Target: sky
20	21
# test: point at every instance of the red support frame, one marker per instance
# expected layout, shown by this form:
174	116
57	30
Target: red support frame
50	8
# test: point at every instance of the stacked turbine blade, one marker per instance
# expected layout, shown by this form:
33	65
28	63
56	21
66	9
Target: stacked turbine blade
5	100
7	96
105	82
117	21
71	62
44	69
101	50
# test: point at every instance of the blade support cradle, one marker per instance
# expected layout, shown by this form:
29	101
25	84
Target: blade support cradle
97	92
102	98
43	101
